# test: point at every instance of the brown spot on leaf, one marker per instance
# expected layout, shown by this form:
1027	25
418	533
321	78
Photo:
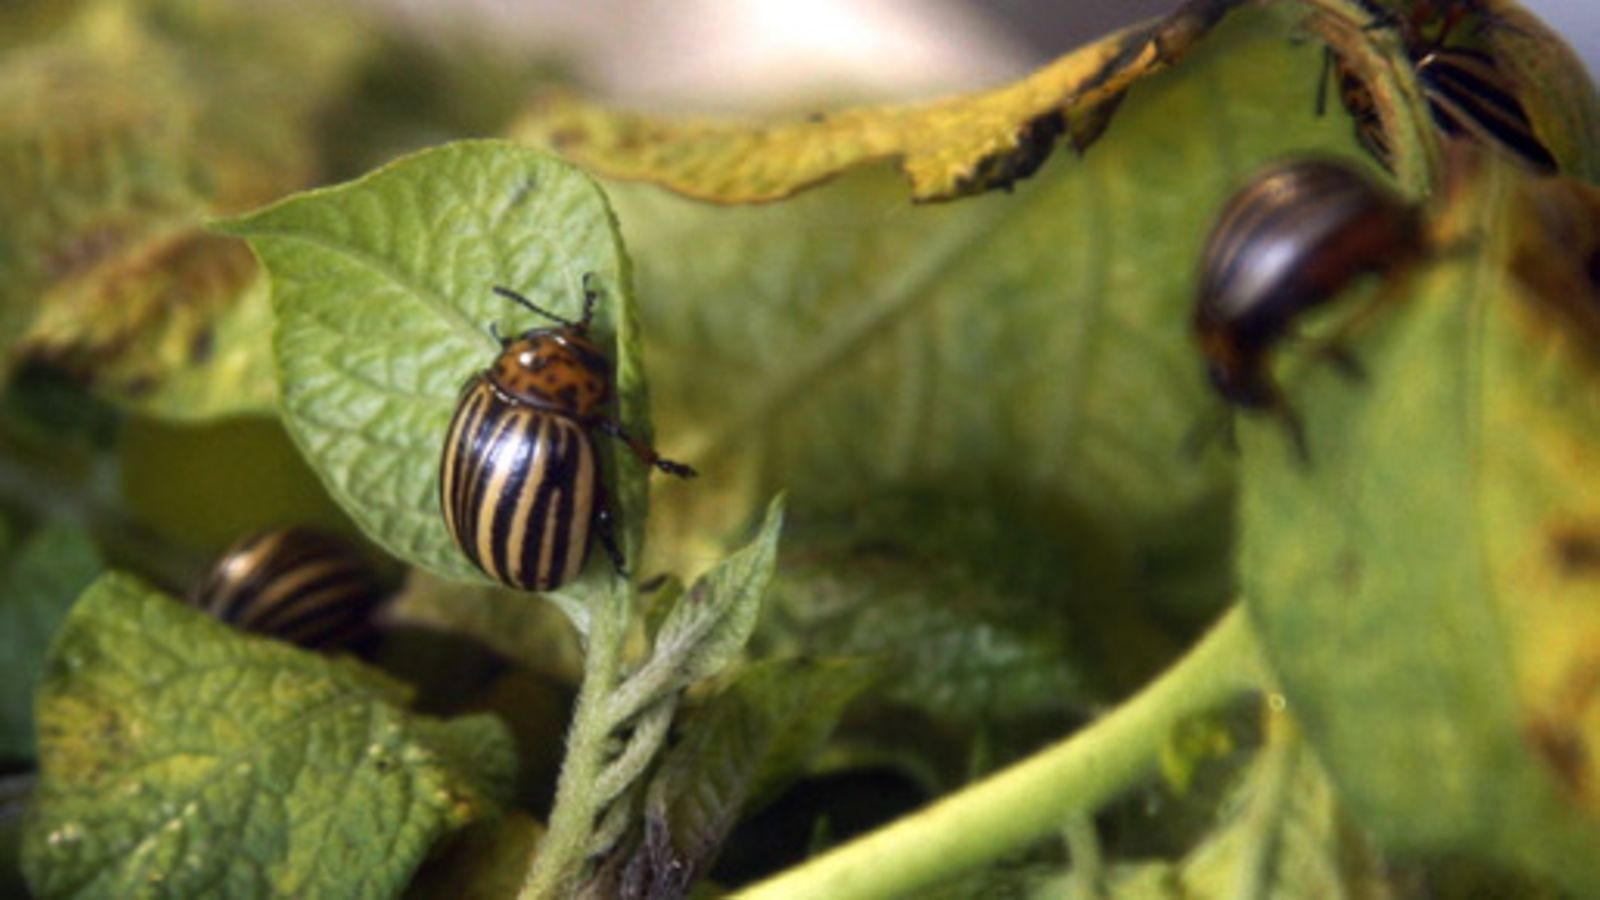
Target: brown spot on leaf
1348	571
1576	551
1562	749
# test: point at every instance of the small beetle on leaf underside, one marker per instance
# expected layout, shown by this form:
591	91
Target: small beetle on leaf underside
1291	239
1470	95
295	584
519	478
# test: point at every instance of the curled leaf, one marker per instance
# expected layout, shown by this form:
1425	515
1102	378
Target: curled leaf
949	148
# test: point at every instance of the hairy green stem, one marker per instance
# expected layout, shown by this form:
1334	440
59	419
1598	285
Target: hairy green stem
1013	808
560	856
648	735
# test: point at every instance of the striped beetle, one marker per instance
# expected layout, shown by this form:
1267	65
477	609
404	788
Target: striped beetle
1356	96
1287	241
1468	95
519	478
295	584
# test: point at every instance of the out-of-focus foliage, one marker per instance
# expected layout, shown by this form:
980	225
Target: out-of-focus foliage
977	411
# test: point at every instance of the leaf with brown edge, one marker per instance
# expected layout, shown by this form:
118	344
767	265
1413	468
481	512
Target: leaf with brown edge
1424	589
172	325
949	148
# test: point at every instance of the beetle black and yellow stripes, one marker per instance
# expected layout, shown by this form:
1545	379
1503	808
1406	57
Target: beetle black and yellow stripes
1468	96
1450	45
513	483
519	476
295	584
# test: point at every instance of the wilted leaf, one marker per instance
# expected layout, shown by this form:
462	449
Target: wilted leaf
180	758
949	148
383	292
39	579
1427	587
92	151
118	137
175	326
736	748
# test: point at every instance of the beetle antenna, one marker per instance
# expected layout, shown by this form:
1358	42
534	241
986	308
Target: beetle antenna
517	298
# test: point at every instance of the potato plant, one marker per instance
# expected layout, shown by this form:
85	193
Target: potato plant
958	605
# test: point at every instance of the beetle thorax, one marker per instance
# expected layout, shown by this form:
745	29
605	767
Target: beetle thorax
556	369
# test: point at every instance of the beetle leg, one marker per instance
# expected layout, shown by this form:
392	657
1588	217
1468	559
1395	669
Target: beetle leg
646	453
1297	431
605	526
1344	362
1322	81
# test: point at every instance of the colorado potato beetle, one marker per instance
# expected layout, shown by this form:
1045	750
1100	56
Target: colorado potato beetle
1468	94
295	584
1290	240
519	478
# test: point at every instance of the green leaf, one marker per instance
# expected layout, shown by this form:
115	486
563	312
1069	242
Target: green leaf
38	582
1026	354
965	650
181	758
1283	834
382	288
737	748
1427	587
709	626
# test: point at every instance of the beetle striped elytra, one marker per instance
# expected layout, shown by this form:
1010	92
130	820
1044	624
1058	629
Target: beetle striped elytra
1289	240
519	476
1468	94
1356	97
295	584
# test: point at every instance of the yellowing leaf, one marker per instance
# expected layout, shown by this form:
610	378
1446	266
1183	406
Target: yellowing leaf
1428	588
174	325
118	137
949	148
182	758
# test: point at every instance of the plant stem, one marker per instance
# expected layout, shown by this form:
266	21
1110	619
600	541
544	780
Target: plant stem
560	856
1013	808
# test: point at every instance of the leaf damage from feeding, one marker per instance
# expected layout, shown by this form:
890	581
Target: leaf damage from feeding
948	148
